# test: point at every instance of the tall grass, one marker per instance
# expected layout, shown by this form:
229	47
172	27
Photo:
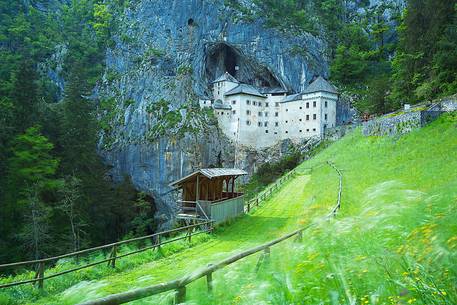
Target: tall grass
395	241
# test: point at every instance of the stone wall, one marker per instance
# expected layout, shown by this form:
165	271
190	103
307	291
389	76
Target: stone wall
400	123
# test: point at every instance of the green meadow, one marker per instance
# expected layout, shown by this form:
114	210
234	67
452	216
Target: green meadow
393	242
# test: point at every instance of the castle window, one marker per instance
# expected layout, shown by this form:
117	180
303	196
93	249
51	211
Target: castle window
248	122
287	109
287	131
248	102
276	114
307	105
260	104
266	104
276	132
233	102
276	124
307	117
266	131
307	130
277	104
314	116
254	103
326	104
248	112
301	108
325	116
314	129
314	104
259	124
265	124
301	130
234	112
266	114
260	113
300	120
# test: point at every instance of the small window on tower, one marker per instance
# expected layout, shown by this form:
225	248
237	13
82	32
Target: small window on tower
266	104
233	102
325	116
248	122
260	104
254	103
314	116
248	112
248	102
276	114
307	105
276	124
307	117
326	104
277	104
260	113
314	104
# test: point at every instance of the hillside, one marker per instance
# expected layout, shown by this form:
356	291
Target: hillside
393	242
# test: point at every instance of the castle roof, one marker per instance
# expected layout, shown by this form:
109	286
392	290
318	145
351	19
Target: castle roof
218	104
226	77
291	98
277	90
245	89
320	85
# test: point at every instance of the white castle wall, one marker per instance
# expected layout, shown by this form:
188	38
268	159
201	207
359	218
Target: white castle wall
262	122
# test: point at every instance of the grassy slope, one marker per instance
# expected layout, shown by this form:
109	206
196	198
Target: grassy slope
264	224
394	242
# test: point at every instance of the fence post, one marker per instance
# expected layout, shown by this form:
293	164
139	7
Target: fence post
257	201
209	280
249	206
190	233
180	296
40	275
113	255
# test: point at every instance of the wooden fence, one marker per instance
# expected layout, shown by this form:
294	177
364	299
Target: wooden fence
179	285
157	242
267	193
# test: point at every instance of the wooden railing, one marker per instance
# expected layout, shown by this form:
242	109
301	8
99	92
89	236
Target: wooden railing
268	192
180	284
114	254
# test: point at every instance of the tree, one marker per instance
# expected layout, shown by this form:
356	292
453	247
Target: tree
31	177
71	205
424	23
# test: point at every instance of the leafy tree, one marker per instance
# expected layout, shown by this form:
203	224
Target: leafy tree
31	177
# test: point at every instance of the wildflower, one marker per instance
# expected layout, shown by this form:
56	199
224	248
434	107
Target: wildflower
410	301
443	293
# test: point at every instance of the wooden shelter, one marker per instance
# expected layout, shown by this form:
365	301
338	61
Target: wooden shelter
210	194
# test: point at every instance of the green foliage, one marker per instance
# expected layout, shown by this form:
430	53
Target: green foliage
269	172
423	66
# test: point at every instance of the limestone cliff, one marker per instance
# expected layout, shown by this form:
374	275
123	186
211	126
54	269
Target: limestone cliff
165	55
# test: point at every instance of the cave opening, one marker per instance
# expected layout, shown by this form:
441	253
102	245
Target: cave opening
221	58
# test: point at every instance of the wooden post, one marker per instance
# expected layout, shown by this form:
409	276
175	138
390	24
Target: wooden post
209	280
190	233
180	296
197	192
40	275
112	262
249	206
300	236
257	201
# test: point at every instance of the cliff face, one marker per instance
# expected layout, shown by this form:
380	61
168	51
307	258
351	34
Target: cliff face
165	55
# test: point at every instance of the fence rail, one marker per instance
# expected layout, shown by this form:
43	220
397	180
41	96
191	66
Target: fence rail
267	192
179	285
40	276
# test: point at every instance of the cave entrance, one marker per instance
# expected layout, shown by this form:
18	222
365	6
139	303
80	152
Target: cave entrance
221	58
